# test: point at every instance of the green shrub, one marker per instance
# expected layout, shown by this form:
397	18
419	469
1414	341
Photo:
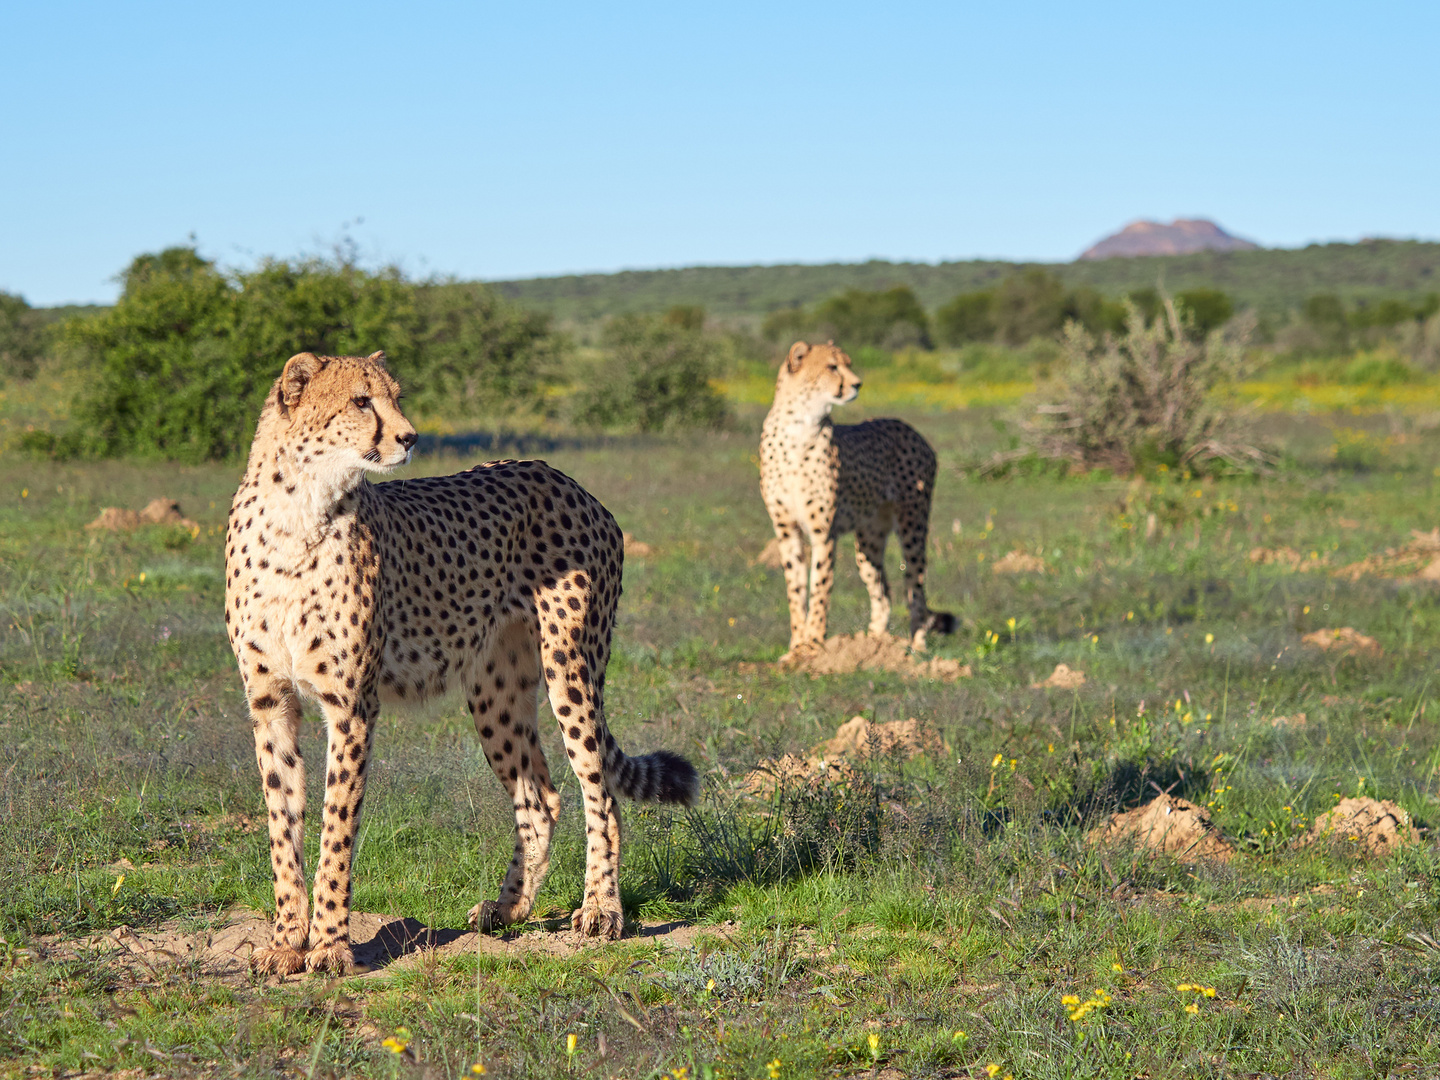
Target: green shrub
1379	368
785	325
1142	399
970	317
686	316
182	363
1025	306
478	354
655	375
22	338
888	319
1208	309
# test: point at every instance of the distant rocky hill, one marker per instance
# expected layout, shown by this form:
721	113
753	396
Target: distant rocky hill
1183	236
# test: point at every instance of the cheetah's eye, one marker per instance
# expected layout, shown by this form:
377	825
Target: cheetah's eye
361	402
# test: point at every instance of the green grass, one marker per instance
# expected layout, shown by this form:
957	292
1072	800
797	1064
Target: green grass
926	899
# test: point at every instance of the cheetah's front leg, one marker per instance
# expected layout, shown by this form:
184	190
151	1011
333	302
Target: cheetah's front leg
792	558
822	577
350	718
275	711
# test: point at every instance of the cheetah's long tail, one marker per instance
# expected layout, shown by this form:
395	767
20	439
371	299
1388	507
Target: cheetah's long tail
659	777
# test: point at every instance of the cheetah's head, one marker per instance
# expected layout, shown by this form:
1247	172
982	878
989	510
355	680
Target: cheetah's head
341	414
820	376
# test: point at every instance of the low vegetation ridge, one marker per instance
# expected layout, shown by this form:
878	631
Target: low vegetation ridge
1271	281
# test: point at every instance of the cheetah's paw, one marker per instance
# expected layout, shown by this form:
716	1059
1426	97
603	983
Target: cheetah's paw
485	918
595	921
337	959
277	960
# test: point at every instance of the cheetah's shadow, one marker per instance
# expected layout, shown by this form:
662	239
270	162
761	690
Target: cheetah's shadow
399	938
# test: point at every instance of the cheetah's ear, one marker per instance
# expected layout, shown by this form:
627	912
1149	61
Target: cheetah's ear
378	357
299	370
798	352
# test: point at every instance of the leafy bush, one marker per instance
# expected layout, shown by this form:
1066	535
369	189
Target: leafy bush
182	363
887	319
970	317
1145	398
1209	309
1025	306
655	375
478	352
22	338
1028	305
686	316
1379	368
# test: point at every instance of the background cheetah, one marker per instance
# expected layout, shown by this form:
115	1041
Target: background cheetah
821	480
348	594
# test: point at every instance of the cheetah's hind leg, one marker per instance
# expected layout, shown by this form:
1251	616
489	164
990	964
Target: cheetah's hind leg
505	704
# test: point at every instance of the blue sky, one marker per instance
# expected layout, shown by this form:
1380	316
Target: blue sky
499	141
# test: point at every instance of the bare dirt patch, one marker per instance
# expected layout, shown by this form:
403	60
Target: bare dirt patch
1064	677
1416	560
1167	824
1419	559
846	653
1345	641
1297	720
1363	827
221	951
160	511
1018	562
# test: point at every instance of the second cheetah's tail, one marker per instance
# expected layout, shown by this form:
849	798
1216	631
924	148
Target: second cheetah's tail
659	777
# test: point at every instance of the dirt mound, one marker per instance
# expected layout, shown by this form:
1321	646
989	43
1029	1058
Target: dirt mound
770	556
1167	824
1299	720
1347	641
116	519
859	736
1287	557
1363	827
1418	560
636	548
157	512
221	952
1064	677
1018	562
829	761
772	773
844	653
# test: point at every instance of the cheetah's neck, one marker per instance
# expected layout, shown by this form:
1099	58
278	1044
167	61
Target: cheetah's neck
303	498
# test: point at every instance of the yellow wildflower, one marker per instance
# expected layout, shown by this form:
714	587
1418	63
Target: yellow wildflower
479	1068
1192	1008
774	1068
991	1069
995	763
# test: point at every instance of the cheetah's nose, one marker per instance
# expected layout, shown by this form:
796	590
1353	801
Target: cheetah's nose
408	439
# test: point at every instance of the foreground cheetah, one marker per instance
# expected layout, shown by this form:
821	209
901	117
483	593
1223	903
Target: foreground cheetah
348	594
821	480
